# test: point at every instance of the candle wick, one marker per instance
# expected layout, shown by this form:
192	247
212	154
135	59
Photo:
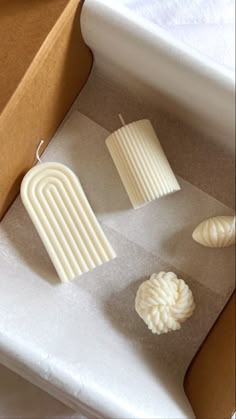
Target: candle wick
37	151
121	119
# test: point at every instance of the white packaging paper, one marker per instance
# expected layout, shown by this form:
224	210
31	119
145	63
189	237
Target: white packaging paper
83	341
148	60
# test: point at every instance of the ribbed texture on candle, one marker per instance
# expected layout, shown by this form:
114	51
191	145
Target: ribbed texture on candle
141	163
58	207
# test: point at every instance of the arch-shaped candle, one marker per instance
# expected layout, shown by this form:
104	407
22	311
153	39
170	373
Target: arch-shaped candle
63	218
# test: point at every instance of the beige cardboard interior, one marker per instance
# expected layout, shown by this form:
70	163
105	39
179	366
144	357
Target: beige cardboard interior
44	64
210	380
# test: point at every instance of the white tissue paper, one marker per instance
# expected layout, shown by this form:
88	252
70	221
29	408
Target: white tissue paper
145	56
208	27
83	341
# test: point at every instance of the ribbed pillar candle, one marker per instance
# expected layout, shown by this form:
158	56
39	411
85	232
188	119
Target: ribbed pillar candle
141	163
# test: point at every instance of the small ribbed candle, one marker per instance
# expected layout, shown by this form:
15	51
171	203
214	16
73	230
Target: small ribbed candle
58	207
141	163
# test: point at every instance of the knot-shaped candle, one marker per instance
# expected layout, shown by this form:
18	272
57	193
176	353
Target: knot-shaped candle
164	302
141	162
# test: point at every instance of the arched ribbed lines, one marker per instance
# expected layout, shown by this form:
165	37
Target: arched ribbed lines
141	163
59	209
74	235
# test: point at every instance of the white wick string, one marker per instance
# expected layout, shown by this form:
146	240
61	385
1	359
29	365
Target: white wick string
121	119
37	151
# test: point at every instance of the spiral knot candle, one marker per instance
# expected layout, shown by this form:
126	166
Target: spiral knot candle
164	302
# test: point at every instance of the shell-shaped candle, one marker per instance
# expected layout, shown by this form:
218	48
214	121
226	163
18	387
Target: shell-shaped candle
216	232
164	302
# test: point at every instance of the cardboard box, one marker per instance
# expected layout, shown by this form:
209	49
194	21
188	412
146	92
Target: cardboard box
210	379
44	64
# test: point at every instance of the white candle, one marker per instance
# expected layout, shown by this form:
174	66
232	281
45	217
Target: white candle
141	163
58	207
216	231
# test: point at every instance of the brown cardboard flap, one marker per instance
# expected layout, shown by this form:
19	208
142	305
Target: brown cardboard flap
210	379
23	29
44	64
